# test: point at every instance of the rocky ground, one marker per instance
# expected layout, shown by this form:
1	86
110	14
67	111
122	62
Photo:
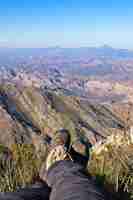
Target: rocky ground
36	101
31	115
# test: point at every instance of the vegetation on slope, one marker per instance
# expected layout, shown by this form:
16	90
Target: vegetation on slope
46	112
20	169
112	163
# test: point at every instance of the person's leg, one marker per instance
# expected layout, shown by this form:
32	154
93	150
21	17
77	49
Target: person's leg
66	177
69	182
35	192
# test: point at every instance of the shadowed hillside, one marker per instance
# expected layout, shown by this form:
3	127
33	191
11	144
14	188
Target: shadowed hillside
29	118
39	113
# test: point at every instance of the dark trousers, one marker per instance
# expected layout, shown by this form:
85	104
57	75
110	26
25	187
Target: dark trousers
65	181
69	182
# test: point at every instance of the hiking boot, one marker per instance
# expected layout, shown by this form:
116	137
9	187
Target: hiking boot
59	149
61	137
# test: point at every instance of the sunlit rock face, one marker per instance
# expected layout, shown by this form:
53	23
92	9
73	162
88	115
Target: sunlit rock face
6	128
31	115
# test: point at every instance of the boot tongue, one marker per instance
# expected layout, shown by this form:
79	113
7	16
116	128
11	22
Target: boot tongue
56	154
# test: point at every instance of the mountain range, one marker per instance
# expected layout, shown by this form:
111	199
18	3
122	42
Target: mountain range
105	51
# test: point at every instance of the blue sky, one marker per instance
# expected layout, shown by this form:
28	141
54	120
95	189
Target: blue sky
68	23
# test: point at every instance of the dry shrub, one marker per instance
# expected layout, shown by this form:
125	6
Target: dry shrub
21	170
112	163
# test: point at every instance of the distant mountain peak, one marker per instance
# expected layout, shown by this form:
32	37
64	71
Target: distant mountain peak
106	46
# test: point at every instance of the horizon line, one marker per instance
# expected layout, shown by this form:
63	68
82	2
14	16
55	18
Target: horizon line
71	47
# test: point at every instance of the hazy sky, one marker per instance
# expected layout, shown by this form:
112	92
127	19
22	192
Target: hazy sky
69	23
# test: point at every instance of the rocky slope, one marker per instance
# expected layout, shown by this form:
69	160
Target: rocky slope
32	115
